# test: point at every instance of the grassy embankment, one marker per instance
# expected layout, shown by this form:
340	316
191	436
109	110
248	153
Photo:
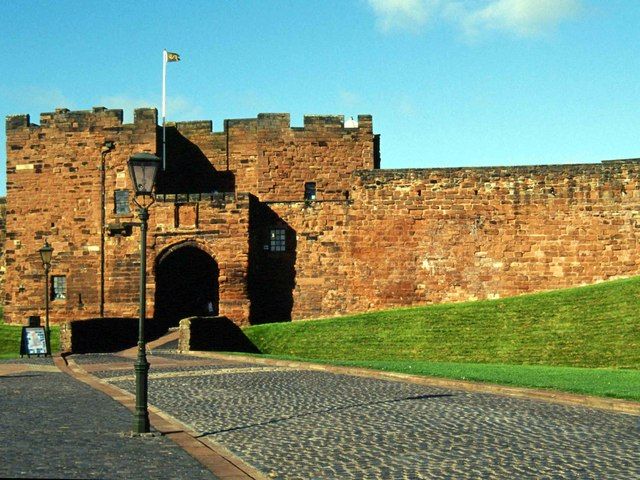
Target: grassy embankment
584	340
10	339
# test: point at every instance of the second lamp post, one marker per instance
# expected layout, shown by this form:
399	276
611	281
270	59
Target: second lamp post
46	253
143	168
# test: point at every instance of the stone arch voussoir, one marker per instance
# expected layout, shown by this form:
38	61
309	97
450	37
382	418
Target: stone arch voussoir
189	242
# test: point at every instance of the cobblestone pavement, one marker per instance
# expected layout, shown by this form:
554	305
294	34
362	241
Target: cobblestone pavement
52	426
302	424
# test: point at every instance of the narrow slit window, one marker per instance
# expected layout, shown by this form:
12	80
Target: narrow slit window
277	240
310	191
58	287
121	202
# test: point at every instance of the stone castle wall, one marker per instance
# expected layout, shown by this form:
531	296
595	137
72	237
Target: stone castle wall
56	172
484	233
273	161
3	238
372	239
54	192
410	237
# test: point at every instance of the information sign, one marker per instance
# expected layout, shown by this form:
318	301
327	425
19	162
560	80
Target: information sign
34	341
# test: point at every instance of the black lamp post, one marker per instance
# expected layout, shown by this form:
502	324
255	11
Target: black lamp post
45	254
142	169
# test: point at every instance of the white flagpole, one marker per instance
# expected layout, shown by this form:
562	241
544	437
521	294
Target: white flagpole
164	109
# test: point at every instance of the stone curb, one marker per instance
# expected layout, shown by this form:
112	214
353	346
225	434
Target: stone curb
218	460
608	404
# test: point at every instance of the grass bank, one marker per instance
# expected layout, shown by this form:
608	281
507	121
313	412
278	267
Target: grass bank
10	340
583	340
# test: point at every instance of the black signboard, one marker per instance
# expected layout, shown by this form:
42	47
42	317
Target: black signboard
34	342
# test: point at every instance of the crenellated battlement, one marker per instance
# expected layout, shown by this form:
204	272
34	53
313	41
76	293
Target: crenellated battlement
65	119
278	121
311	123
15	122
78	120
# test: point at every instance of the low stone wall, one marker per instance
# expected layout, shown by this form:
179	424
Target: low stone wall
212	334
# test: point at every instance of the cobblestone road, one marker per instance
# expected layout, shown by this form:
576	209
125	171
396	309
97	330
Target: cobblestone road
302	424
52	426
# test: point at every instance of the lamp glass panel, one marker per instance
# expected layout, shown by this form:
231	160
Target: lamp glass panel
45	254
143	173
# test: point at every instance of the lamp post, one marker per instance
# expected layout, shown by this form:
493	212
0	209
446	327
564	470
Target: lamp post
45	255
142	169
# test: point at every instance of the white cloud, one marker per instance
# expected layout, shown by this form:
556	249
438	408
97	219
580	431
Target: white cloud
520	17
37	98
349	98
54	98
402	14
183	108
407	107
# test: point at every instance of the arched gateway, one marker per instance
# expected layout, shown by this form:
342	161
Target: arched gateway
186	284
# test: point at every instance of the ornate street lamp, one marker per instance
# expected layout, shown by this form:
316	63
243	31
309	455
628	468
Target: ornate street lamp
46	253
142	169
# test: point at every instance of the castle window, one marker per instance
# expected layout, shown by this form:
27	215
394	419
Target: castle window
121	202
310	191
58	287
277	240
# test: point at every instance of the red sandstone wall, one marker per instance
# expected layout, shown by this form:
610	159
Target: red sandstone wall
323	151
53	192
324	273
273	161
220	228
427	236
403	237
3	237
484	233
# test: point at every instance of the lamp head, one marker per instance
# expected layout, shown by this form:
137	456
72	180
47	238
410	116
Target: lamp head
143	168
45	254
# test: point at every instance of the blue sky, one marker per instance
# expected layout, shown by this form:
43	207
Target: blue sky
449	82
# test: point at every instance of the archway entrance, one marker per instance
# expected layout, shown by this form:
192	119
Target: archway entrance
186	285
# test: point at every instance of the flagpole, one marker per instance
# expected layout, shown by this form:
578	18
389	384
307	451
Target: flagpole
164	109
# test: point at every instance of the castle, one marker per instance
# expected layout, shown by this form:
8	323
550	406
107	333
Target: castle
264	222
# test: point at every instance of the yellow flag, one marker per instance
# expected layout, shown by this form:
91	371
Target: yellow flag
173	57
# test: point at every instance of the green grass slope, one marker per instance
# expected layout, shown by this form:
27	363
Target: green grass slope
10	339
596	326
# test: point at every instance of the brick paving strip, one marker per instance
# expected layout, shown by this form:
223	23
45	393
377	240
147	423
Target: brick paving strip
11	369
564	398
222	463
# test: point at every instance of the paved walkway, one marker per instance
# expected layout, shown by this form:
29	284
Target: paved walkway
293	422
52	426
246	419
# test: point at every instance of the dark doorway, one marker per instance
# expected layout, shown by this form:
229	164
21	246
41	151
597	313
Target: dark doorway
186	285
